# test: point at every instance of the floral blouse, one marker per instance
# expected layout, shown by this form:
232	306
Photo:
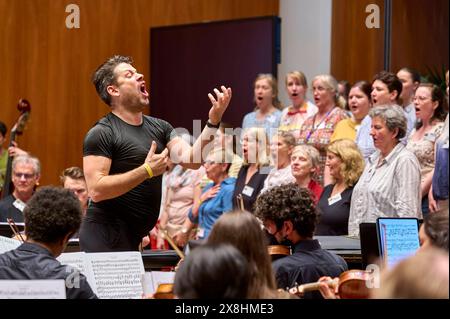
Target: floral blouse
319	134
424	149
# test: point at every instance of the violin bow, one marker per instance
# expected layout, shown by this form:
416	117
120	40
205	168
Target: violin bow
172	244
240	202
15	229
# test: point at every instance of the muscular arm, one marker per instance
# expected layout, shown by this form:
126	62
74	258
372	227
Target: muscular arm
102	186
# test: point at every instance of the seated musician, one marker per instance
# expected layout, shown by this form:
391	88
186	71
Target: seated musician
52	216
288	213
72	178
26	172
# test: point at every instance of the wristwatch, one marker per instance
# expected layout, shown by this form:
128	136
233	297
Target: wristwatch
210	125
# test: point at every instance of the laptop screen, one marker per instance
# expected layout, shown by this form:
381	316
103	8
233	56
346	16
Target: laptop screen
398	238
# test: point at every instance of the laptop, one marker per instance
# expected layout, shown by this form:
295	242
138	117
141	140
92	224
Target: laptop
369	243
398	239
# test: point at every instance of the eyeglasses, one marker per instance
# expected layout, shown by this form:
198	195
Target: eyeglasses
421	98
24	175
209	162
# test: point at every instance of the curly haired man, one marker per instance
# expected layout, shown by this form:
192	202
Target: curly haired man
288	213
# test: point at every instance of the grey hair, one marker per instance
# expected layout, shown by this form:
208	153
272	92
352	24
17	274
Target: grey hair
311	153
27	159
393	116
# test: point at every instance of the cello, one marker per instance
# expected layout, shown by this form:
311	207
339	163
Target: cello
24	108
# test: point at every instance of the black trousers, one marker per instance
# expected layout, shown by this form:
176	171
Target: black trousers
106	234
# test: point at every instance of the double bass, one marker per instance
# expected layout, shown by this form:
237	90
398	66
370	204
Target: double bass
24	108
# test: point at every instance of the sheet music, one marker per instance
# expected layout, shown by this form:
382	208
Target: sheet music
7	244
399	238
32	289
118	275
76	260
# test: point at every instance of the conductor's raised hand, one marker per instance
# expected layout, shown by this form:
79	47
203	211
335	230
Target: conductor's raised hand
219	104
157	162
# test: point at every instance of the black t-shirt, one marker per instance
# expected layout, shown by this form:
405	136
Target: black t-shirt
127	146
251	190
8	210
333	219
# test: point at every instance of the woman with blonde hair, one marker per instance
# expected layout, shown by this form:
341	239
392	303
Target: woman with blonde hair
281	149
318	129
346	165
294	115
267	111
254	170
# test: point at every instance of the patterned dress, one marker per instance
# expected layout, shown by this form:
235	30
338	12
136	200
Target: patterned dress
318	134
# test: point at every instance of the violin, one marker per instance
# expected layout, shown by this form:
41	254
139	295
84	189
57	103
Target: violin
351	284
164	291
278	251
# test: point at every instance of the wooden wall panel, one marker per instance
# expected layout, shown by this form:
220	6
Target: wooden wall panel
356	51
50	65
420	34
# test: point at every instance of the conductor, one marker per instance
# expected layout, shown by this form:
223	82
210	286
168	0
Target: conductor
124	155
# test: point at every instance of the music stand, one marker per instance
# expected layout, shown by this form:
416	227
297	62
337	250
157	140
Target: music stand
6	231
370	251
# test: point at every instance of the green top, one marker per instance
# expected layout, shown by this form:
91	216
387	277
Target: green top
3	161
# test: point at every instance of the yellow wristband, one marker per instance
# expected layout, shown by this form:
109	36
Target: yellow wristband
149	170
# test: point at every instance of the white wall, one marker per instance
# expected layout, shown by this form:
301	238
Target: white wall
305	40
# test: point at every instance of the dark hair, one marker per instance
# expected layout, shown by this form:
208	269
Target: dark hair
104	75
3	128
365	87
213	272
72	172
347	87
391	80
436	227
437	95
51	214
288	202
242	230
415	75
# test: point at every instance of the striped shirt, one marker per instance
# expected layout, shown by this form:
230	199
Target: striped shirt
391	189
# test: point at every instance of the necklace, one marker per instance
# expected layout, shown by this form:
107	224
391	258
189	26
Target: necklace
314	127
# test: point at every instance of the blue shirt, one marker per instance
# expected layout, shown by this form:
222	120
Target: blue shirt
410	113
363	138
440	176
270	122
211	209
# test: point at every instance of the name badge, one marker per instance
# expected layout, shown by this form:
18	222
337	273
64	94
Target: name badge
334	199
248	191
19	205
